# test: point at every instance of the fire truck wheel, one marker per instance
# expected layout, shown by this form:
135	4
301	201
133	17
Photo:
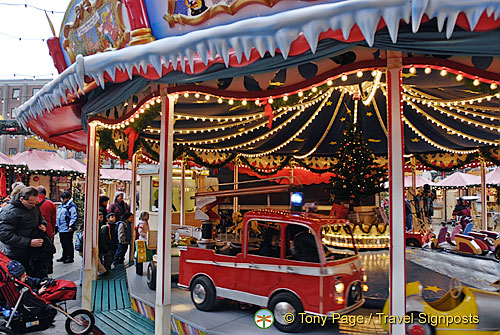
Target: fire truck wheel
151	276
286	308
413	242
203	294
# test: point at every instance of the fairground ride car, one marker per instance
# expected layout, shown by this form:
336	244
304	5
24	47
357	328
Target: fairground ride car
462	310
318	280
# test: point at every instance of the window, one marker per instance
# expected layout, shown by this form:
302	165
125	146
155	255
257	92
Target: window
11	114
16	93
35	90
12	151
301	244
264	239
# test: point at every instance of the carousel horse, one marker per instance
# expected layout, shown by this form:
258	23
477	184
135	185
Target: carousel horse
238	220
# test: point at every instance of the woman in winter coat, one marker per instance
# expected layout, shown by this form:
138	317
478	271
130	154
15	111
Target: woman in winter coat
119	207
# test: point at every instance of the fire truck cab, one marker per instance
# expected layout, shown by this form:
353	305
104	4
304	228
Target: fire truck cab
281	264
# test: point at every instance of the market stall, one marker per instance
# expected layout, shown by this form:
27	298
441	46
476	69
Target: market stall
270	85
48	169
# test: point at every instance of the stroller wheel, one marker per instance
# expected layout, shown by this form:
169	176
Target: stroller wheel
84	323
5	330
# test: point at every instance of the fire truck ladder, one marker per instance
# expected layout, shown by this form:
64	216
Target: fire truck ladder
207	198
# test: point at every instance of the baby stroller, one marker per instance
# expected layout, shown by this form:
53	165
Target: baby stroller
24	311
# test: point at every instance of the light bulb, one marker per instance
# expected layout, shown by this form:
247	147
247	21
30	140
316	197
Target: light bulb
285	98
443	72
344	77
459	77
219	100
413	70
314	89
427	70
231	101
476	82
197	95
270	100
329	83
493	86
244	102
186	95
300	94
257	102
359	74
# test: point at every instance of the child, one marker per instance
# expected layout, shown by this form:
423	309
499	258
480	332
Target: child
143	226
124	231
18	271
108	241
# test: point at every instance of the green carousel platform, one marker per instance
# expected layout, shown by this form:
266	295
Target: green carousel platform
112	309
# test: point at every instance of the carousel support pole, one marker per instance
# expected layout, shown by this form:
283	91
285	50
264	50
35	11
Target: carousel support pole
235	180
90	251
397	289
133	203
413	161
163	274
183	193
484	199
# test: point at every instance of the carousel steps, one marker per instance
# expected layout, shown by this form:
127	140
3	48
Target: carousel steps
111	306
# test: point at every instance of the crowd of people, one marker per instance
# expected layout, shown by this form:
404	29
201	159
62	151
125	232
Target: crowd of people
29	222
116	229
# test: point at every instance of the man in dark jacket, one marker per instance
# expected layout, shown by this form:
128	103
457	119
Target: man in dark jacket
19	222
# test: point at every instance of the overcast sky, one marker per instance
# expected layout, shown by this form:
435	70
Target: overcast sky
30	56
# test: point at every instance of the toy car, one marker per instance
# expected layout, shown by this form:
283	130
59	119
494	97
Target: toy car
462	310
299	277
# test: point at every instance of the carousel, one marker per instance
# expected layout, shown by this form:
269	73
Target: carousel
272	85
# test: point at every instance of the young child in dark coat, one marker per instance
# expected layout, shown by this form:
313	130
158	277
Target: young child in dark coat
108	241
18	271
124	232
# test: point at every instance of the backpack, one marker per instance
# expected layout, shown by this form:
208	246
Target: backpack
79	241
68	215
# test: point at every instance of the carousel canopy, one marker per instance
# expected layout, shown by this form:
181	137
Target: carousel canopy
260	86
459	179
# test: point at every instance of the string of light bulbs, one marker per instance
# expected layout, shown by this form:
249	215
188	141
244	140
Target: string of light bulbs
451	130
304	126
434	144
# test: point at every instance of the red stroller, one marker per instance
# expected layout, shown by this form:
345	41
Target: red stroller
24	311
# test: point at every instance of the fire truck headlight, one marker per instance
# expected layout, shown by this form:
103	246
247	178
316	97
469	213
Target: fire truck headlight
339	288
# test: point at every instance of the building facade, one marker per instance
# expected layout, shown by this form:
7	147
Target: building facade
14	92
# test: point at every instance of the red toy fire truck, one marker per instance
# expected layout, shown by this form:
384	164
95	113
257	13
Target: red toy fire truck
295	273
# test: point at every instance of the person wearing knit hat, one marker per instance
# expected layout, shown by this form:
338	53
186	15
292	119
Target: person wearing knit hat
124	231
17	270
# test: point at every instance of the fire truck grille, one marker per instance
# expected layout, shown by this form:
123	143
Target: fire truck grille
355	294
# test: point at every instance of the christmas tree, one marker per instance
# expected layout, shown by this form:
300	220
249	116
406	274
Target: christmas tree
356	173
